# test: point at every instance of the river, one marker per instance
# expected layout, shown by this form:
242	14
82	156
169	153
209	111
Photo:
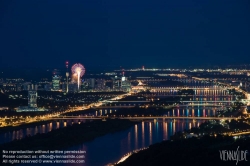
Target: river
111	147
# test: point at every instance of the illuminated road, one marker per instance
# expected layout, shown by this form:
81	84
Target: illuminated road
135	101
49	116
241	133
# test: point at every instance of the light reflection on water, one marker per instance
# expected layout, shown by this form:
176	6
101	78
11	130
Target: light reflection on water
111	147
19	134
141	135
136	136
44	128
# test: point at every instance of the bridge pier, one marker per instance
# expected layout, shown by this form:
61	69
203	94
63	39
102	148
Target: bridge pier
155	120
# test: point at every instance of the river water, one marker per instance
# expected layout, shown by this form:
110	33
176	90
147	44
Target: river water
42	128
111	147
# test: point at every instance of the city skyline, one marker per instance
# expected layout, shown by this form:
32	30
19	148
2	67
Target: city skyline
128	34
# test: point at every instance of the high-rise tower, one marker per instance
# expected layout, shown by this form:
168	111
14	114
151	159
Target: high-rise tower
56	83
32	96
67	77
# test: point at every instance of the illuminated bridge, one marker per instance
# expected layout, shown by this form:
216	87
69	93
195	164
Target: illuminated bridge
209	101
161	89
118	106
135	101
199	105
188	101
144	117
196	104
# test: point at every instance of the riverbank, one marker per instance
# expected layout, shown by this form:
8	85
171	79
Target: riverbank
197	146
23	126
193	151
68	136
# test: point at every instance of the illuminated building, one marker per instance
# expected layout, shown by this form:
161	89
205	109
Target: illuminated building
91	82
85	86
116	83
56	83
26	85
32	96
73	87
29	109
32	101
88	84
47	87
100	84
4	108
111	74
18	87
125	85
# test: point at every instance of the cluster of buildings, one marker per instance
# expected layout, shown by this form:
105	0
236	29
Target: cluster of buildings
58	83
121	84
98	85
32	100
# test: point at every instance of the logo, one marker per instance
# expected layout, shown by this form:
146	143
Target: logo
233	155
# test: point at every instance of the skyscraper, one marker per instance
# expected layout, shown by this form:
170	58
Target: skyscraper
125	84
56	83
67	82
100	85
67	77
32	96
116	83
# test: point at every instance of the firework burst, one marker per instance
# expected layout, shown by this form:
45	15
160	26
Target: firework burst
78	71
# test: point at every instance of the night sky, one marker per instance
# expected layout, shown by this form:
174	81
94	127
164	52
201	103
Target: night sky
127	33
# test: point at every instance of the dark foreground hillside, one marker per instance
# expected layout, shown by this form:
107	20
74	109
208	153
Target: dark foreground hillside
203	151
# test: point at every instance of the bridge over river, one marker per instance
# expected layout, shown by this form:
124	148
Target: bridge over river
143	117
158	89
161	106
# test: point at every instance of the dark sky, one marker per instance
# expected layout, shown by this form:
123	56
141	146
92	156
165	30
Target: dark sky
128	33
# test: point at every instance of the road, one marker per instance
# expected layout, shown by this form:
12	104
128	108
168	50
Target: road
49	116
